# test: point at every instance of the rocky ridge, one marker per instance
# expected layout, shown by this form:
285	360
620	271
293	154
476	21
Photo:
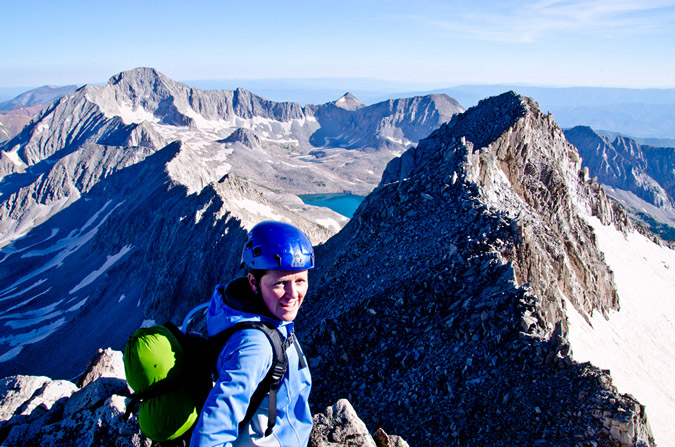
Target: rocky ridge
91	412
631	171
439	309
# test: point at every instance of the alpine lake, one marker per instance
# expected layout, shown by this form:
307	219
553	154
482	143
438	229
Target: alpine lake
345	204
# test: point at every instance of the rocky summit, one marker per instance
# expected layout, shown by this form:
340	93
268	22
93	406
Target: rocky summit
439	309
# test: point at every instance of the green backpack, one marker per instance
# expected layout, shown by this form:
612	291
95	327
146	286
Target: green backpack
171	374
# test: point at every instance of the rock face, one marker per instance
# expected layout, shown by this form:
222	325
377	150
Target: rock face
39	411
339	425
393	124
12	121
439	309
629	170
59	413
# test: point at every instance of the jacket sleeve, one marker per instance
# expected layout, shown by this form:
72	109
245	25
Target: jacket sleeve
242	365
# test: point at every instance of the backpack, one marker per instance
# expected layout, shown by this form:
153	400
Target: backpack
171	374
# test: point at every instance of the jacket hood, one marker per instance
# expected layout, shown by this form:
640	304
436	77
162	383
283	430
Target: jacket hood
237	302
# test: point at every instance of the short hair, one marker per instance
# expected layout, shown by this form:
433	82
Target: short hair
257	274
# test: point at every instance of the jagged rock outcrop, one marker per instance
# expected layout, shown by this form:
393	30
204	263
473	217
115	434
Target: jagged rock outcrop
339	426
39	411
627	168
59	413
246	137
349	102
394	124
439	309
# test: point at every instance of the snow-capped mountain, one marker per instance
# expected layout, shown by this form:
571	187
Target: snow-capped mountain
130	201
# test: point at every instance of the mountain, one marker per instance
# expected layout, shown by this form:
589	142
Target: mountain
392	124
442	309
466	284
641	177
12	121
448	309
348	102
41	95
129	202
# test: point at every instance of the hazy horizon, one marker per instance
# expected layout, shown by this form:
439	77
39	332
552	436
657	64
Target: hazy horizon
601	43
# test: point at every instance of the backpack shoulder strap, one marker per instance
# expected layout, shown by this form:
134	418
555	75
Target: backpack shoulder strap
271	381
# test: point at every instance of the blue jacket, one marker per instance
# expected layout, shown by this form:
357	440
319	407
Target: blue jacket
242	364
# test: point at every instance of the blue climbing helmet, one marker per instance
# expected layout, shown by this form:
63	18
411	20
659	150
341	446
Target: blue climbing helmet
277	246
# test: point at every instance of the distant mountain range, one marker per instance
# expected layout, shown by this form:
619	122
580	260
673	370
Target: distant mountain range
41	95
645	115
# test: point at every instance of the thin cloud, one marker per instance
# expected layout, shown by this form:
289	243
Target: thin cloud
528	22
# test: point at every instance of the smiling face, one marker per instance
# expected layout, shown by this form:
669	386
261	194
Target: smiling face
282	291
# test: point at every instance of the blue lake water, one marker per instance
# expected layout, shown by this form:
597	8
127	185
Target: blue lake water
345	204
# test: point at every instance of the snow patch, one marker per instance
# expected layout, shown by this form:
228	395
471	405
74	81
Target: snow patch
13	156
254	207
64	247
128	113
110	261
33	336
637	343
77	306
21	292
9	355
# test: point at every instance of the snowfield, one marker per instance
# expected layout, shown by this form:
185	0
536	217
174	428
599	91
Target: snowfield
637	343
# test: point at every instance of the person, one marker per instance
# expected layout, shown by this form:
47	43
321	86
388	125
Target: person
278	257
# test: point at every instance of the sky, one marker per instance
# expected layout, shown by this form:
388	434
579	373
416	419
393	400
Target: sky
436	43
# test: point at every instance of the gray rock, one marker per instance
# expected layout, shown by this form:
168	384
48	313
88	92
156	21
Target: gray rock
27	398
340	426
107	363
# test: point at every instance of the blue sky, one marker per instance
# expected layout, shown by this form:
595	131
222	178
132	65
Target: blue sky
618	43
